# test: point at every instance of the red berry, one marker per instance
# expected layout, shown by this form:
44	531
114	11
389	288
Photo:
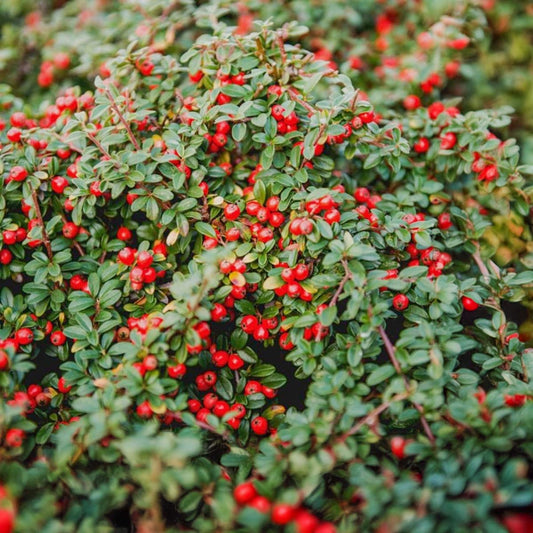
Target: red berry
332	215
260	503
249	323
210	400
63	153
57	338
411	102
301	272
196	76
177	371
276	219
150	362
282	513
144	259
124	234
218	313
126	256
18	119
220	139
233	234
194	405
244	492
149	275
62	60
14	135
277	112
259	425
306	226
220	408
5	257
362	195
272	203
235	362
448	141
62	387
444	221
294	289
10	237
252	387
305	522
269	392
24	336
469	304
144	410
421	146
265	235
70	230
223	127
400	302
4	360
14	438
232	211
220	358
18	173
59	184
397	445
136	276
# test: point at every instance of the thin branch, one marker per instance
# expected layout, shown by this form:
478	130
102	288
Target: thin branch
100	147
481	265
123	120
46	239
296	98
370	417
338	292
79	248
281	45
389	347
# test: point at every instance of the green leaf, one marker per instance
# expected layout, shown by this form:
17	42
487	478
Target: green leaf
205	229
328	315
380	374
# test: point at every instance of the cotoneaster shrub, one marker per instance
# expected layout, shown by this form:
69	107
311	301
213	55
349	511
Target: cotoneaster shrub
465	44
167	235
391	50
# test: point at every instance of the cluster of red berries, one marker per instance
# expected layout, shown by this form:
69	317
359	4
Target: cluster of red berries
268	213
311	333
143	324
11	237
219	139
223	79
286	124
326	207
211	404
259	329
222	358
485	167
61	61
431	257
281	514
148	364
143	272
292	276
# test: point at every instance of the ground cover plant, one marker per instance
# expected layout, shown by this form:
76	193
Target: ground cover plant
246	288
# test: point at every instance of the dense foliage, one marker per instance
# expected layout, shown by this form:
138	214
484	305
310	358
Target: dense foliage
252	287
